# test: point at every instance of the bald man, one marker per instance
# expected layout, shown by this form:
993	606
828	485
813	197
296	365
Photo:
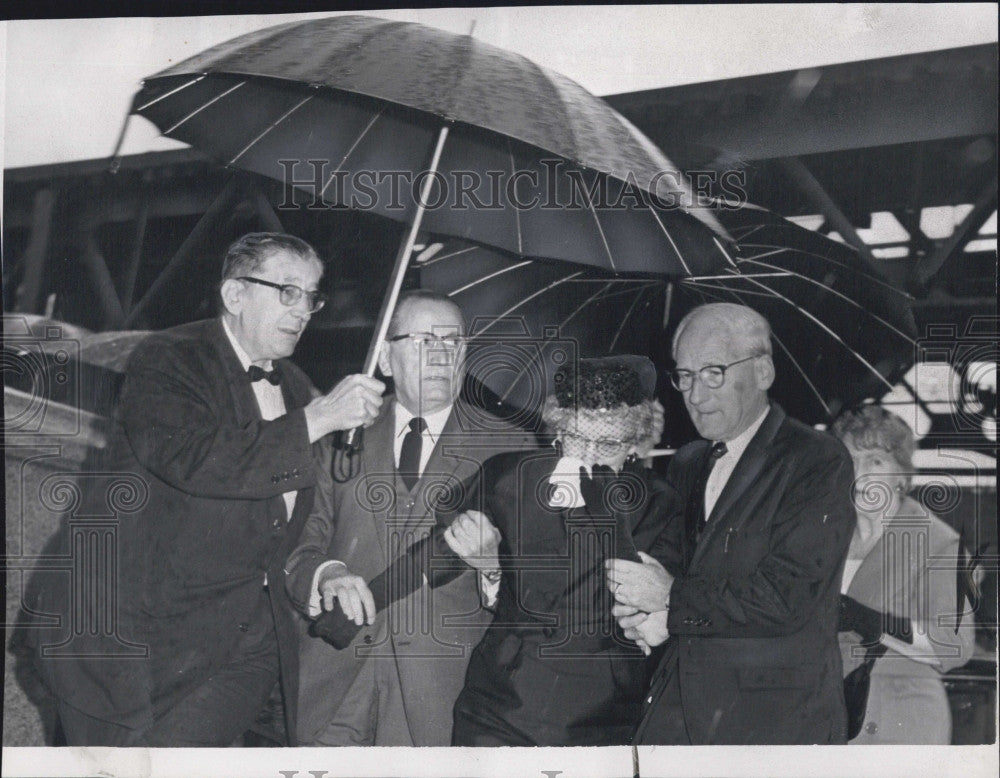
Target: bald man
748	600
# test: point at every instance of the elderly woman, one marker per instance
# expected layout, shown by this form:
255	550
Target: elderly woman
553	669
899	599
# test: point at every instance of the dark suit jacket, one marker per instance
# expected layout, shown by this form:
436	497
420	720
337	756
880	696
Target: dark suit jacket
753	617
554	669
194	543
365	523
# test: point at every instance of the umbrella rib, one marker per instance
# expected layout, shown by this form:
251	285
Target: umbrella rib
725	253
842	296
788	353
538	354
350	151
485	278
745	292
274	124
452	255
599	293
869	276
625	318
670	238
197	111
173	91
825	328
517	211
805	377
600	230
528	299
730	276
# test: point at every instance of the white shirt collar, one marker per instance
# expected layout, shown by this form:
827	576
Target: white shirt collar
736	446
241	355
435	421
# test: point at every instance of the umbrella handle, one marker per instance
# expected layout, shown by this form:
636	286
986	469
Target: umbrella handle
346	463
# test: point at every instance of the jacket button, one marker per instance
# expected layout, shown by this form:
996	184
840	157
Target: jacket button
368	639
244	627
276	524
275	479
871	727
295	473
688	620
286	476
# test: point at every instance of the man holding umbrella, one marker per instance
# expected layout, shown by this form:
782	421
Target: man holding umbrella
223	434
749	602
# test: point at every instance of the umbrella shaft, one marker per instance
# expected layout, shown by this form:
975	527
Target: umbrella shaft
399	269
402	261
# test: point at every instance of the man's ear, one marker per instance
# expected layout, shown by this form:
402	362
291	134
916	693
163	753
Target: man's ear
231	293
764	372
383	359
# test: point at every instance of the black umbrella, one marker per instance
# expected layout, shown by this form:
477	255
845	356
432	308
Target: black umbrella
441	131
842	333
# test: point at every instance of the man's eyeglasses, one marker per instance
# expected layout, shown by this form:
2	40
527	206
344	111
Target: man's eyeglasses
605	447
290	294
712	376
419	339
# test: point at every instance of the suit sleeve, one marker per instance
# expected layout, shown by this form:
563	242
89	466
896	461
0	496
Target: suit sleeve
314	542
661	532
806	545
175	430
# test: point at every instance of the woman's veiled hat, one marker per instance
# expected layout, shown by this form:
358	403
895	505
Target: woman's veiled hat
605	382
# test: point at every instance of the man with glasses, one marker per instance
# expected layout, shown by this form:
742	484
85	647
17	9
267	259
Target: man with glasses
748	603
223	432
396	683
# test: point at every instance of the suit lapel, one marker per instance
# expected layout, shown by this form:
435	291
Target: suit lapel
445	467
244	402
868	578
378	469
743	477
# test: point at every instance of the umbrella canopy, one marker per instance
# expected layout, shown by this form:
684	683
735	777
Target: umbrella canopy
348	110
842	334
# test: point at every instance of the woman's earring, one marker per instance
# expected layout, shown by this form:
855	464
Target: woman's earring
631	459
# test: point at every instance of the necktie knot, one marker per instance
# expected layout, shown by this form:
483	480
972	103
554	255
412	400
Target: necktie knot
719	450
255	373
418	425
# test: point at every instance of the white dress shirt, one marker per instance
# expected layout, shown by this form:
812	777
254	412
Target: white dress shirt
434	426
725	465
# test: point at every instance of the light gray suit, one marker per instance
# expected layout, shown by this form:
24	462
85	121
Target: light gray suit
423	642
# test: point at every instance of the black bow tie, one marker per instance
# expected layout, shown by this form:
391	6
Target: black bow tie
260	374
